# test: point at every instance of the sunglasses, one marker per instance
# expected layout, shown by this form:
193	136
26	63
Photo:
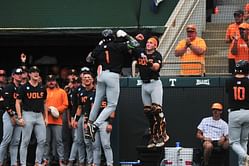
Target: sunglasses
2	74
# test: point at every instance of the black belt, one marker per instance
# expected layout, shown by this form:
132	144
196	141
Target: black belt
237	109
150	80
110	70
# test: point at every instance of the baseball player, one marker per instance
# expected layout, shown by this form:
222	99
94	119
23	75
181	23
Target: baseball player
149	62
103	140
109	56
237	89
11	129
86	98
31	98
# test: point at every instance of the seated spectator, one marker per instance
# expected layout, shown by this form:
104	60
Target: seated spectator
213	132
191	51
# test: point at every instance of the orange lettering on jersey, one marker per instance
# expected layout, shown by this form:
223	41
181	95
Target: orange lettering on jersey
83	99
239	93
35	95
107	56
14	95
142	61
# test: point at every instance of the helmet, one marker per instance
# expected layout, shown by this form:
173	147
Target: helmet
108	34
217	106
242	67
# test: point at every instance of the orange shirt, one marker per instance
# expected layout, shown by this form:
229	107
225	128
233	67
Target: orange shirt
189	56
243	51
232	30
56	97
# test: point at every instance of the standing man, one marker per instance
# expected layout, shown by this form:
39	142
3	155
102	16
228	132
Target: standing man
237	88
56	98
232	32
191	52
213	132
30	106
149	62
109	55
11	128
240	44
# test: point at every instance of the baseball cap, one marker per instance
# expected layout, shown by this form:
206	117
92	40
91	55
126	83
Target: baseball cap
191	28
244	25
51	78
238	13
24	69
84	70
73	72
17	71
34	69
217	106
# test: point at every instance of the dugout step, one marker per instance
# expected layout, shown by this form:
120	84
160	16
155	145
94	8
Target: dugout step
150	156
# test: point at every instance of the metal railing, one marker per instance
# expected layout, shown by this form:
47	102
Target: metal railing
176	70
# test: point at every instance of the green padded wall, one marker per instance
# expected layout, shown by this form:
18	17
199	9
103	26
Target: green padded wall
82	13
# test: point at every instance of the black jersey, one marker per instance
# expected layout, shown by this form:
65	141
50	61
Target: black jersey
33	98
110	55
10	95
238	93
1	99
86	100
145	71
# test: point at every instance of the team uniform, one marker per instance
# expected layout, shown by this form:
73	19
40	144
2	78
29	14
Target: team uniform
78	145
152	95
102	140
12	132
238	100
32	99
109	55
86	99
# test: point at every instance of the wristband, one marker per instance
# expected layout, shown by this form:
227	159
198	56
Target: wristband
77	117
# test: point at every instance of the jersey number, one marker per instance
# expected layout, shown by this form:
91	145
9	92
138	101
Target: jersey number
239	93
107	56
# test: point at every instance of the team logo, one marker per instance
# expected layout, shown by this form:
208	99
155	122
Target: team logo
172	81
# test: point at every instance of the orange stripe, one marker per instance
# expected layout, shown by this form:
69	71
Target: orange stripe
107	56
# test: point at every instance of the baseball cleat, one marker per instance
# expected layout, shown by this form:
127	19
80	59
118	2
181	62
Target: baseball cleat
92	130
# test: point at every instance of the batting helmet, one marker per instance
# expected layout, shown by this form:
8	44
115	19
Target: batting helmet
217	106
242	67
108	34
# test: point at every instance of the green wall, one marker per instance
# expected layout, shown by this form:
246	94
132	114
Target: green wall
82	13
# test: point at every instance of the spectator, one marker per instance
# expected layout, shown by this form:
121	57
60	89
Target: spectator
246	12
56	98
191	50
237	89
231	33
240	44
213	132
